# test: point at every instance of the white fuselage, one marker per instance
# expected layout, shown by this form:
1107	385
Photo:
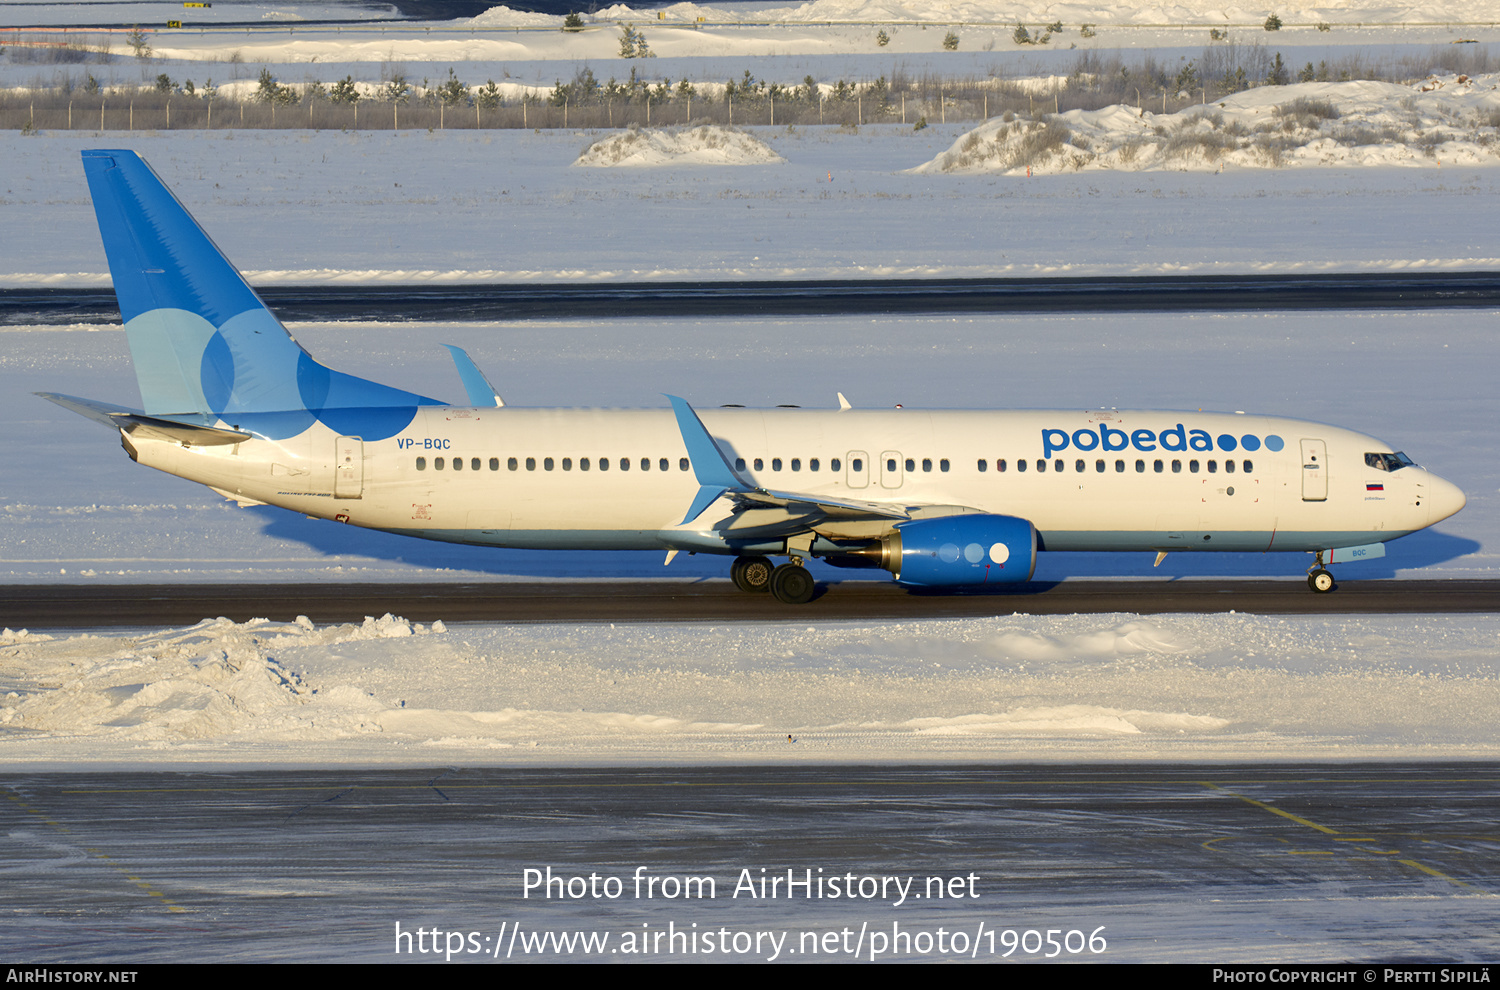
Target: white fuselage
621	479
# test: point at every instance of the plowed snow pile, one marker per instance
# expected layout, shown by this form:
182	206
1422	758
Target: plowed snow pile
1029	687
1448	120
707	145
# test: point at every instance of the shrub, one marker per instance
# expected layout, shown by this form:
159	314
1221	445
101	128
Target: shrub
1087	31
573	22
921	124
343	91
633	43
950	42
1021	36
136	39
1273	23
881	38
1218	34
453	92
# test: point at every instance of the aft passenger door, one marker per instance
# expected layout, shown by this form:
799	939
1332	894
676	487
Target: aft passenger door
1314	471
349	468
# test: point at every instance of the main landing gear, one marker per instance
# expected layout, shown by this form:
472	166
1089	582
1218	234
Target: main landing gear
1319	578
751	574
790	583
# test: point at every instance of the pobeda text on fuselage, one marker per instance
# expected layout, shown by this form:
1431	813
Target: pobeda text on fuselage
941	499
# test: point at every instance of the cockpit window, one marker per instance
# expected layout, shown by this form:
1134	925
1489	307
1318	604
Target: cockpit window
1388	462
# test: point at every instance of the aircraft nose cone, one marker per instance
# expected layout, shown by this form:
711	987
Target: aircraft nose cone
1444	498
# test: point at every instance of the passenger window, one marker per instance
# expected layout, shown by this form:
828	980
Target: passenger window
796	464
857	465
531	463
775	464
739	464
663	464
1041	465
1229	467
890	465
1099	466
943	464
583	463
760	465
812	465
624	464
495	464
911	465
1193	466
1119	467
833	465
1057	465
1020	465
1213	467
604	463
547	463
1078	466
474	464
421	464
567	463
682	464
926	464
646	464
437	463
1000	465
1176	467
1157	467
1140	466
1249	467
984	466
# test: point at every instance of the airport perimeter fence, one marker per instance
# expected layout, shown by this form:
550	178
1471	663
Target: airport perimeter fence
149	111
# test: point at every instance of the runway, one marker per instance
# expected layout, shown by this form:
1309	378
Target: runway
93	606
482	302
1145	863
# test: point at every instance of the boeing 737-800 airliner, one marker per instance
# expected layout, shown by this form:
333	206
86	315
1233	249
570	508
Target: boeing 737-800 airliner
946	499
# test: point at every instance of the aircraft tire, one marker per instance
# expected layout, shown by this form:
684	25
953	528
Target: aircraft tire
792	584
1320	581
752	574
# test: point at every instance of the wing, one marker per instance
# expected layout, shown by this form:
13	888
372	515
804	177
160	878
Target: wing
717	479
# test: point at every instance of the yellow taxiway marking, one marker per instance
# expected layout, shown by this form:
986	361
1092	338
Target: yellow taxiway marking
1332	832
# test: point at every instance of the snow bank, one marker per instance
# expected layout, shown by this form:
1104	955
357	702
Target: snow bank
1232	687
707	145
1444	120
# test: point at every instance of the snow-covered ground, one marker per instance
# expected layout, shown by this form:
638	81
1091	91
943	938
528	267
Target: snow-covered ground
387	692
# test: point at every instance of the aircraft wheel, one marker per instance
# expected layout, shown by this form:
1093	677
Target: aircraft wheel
792	584
751	574
1320	581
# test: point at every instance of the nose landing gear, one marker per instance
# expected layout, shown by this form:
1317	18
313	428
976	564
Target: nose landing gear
1319	578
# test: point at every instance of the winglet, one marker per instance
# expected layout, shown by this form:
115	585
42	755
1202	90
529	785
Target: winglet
481	392
844	405
712	469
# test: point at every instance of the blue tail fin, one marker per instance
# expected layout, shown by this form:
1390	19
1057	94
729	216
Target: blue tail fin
202	340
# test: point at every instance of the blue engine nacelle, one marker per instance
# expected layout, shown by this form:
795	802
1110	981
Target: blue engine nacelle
961	551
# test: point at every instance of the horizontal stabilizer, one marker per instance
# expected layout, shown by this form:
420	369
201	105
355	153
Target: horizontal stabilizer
176	429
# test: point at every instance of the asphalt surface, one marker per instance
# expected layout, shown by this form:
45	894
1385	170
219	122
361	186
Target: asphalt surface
94	606
1147	863
461	302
